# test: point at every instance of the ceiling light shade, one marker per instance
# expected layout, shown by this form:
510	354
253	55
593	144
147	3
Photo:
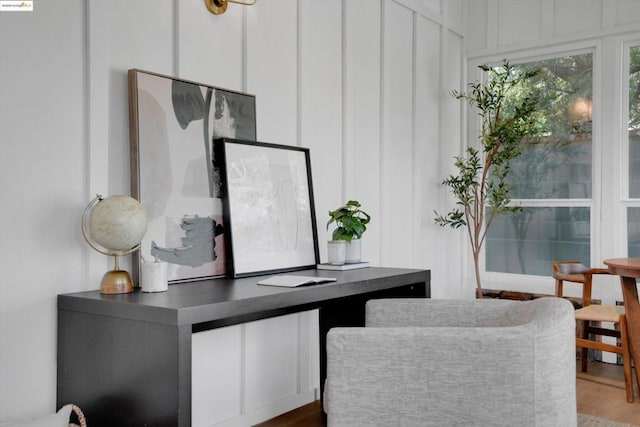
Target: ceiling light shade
218	7
581	110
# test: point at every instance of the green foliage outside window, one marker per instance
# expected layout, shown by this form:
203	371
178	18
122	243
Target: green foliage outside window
634	89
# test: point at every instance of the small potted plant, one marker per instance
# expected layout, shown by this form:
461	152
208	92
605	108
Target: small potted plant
351	223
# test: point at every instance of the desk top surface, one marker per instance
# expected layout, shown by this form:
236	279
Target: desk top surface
222	298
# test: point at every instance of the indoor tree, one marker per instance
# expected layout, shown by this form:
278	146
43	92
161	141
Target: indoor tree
480	186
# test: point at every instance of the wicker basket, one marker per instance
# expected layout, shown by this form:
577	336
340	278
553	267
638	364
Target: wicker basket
79	415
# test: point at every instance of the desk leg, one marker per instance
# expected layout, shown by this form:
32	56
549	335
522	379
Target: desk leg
350	312
123	372
632	311
184	375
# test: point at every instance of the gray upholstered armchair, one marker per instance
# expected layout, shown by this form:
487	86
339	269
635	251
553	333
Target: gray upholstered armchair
422	362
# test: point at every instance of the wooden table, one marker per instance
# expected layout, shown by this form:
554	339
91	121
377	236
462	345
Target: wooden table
103	338
629	269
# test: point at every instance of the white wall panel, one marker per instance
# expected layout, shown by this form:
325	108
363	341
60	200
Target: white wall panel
271	361
309	351
454	11
434	5
42	194
397	211
456	284
627	11
564	16
427	245
320	62
245	374
477	24
519	21
362	115
210	47
119	42
217	364
272	69
495	25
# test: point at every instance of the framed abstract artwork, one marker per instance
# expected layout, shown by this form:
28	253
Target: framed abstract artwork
269	212
174	171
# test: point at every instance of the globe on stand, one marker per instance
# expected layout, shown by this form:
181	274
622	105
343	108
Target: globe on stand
114	226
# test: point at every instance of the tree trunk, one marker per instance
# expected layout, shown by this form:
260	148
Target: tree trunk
476	264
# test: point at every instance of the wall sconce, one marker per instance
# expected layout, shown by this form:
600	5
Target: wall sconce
218	7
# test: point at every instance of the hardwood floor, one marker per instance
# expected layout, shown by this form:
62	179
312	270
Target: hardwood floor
310	415
600	392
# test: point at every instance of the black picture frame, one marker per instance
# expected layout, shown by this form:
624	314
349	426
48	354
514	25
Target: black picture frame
269	209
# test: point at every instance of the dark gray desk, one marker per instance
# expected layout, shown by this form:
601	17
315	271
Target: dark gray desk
126	359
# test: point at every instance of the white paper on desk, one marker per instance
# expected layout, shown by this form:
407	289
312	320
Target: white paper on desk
293	281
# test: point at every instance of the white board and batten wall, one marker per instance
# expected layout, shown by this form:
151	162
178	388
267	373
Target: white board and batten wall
363	83
364	78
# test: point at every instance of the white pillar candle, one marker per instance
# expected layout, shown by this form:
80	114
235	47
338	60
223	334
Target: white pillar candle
153	276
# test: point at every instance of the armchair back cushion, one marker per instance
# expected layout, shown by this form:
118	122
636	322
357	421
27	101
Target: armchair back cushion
439	362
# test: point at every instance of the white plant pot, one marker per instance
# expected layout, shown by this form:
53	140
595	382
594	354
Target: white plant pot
353	251
337	250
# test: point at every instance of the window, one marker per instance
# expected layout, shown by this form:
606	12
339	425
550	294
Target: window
633	135
552	179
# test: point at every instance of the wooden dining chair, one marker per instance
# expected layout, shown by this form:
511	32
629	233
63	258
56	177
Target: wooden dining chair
576	272
592	316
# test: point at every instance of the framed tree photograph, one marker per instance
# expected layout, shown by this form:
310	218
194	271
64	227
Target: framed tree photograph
269	212
174	171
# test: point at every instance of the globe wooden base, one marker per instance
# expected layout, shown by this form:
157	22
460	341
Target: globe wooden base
116	282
